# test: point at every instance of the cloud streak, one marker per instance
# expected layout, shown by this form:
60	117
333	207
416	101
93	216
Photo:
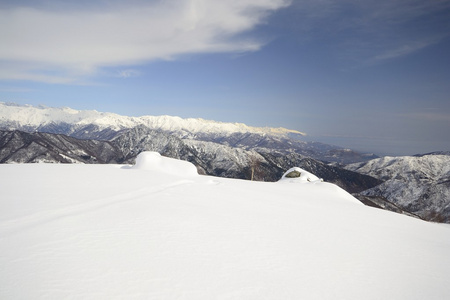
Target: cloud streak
374	31
66	46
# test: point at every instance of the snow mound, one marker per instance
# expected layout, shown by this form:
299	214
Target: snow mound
153	161
297	174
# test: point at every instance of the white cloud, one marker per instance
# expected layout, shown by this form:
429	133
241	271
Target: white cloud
51	45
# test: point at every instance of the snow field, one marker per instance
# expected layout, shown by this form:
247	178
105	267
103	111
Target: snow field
115	232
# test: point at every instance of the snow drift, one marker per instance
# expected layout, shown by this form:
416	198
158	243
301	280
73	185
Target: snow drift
108	232
150	160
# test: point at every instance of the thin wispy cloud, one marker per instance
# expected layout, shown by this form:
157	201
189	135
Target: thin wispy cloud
403	48
67	45
373	31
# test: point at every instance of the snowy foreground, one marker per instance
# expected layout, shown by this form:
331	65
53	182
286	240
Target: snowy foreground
159	231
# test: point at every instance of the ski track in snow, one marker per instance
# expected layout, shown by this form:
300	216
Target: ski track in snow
16	225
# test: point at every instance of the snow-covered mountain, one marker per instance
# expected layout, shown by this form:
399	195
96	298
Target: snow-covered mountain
107	126
159	231
419	184
209	158
40	118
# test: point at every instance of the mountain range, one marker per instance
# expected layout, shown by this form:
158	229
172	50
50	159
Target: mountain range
107	126
234	150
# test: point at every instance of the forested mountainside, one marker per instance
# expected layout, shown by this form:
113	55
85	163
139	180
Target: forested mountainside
419	184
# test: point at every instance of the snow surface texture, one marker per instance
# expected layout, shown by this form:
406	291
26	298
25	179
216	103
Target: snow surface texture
22	116
115	232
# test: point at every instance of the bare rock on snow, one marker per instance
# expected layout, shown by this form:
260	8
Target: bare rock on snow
300	175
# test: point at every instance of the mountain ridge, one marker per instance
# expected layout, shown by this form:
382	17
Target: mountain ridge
44	116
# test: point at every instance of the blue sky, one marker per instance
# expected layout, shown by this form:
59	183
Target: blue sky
369	75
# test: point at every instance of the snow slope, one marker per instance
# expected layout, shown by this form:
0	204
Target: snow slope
122	232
